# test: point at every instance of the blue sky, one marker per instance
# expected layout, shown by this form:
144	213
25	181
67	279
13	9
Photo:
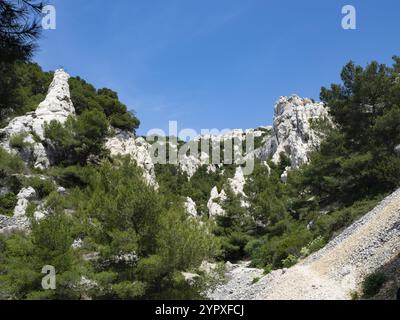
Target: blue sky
214	63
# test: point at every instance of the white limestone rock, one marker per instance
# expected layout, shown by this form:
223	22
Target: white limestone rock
190	207
284	175
56	106
77	244
125	143
292	132
213	204
10	225
190	164
24	196
39	215
190	278
237	182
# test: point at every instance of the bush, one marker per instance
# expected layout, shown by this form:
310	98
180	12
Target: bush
372	284
289	261
9	164
43	187
17	141
8	203
78	138
314	245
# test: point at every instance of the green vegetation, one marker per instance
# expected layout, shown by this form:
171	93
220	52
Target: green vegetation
9	183
141	245
136	241
78	138
85	97
42	186
372	284
17	141
8	203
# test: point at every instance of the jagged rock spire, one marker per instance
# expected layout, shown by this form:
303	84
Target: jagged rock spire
56	106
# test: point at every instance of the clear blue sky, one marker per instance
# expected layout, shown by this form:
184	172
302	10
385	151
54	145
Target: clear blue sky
214	63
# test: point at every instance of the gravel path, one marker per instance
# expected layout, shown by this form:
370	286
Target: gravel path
333	272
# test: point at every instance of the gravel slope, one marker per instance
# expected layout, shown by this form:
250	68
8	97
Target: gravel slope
332	272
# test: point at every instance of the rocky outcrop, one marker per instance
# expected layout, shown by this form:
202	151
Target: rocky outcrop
125	143
190	207
57	106
236	184
293	133
24	196
190	164
213	204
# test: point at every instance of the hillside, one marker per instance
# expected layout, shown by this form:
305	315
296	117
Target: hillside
334	272
130	227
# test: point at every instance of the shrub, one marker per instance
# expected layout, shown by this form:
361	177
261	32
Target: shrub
9	164
289	261
354	295
7	204
372	284
78	138
255	280
42	186
314	245
17	141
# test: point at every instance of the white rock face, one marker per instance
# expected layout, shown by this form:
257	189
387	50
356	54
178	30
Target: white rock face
190	164
125	143
237	182
190	207
214	208
239	134
24	196
292	133
57	106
